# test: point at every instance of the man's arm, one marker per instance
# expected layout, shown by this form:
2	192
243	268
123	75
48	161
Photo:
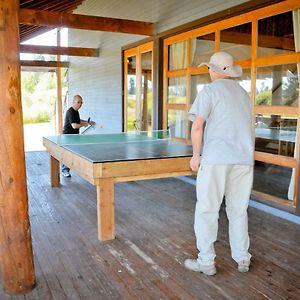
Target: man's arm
83	123
196	136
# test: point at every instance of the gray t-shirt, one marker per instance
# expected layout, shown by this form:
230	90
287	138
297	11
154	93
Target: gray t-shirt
228	134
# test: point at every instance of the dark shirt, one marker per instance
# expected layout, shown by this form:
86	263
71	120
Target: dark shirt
72	116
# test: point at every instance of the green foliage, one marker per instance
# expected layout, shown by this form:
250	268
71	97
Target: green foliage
176	99
264	97
39	96
29	81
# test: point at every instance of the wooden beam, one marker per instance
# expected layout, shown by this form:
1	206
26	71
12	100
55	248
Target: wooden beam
71	51
56	19
43	63
16	256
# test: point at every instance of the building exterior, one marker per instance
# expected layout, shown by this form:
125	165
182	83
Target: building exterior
147	83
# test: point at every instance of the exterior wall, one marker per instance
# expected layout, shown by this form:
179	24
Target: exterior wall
99	80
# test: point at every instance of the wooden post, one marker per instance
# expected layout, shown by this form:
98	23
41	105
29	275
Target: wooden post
59	92
16	258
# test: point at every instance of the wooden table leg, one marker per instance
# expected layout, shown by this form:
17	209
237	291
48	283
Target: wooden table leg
54	169
106	209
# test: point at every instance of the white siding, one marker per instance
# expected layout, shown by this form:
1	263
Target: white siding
99	80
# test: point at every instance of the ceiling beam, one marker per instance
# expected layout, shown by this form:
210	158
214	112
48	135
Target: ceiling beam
43	63
71	51
56	19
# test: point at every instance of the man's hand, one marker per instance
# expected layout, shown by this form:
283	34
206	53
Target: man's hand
195	163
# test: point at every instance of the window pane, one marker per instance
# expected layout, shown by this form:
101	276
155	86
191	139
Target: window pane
177	123
276	34
273	180
146	91
277	85
275	134
245	80
202	48
131	94
197	84
177	56
237	41
177	90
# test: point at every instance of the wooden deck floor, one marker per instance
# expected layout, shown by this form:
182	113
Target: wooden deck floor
154	227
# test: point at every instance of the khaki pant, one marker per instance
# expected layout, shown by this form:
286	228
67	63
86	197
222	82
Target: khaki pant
213	183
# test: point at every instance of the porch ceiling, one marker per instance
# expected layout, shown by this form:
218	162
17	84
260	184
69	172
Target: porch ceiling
29	31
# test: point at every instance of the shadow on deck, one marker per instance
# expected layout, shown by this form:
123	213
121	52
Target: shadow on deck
154	228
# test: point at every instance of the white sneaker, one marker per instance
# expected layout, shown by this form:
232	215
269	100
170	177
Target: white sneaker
194	265
243	266
66	174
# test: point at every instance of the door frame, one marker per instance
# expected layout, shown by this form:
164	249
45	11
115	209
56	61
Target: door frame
137	52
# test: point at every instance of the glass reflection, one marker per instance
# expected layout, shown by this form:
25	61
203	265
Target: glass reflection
131	93
273	180
237	41
177	123
197	84
146	95
275	134
245	80
177	56
177	90
276	34
202	48
277	85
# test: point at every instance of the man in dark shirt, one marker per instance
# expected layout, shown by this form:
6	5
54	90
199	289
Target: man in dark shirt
73	123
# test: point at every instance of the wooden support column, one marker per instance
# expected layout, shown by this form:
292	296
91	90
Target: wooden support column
59	92
16	256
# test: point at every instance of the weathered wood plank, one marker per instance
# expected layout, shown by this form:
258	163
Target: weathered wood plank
56	19
153	237
52	50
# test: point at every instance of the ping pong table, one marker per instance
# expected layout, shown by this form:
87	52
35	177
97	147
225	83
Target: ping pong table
103	159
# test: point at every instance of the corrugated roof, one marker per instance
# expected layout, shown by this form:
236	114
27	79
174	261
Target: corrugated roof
28	31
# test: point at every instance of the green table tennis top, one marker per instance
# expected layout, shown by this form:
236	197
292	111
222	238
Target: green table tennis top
122	146
78	139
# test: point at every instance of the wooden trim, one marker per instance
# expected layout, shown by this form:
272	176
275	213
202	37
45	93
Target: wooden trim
71	51
57	19
275	110
280	59
274	159
153	176
217	40
177	73
273	201
176	106
254	30
157	83
44	64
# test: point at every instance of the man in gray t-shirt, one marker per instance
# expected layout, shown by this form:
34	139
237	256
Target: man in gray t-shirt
226	144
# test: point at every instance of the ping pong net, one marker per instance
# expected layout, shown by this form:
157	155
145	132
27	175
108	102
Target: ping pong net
123	137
